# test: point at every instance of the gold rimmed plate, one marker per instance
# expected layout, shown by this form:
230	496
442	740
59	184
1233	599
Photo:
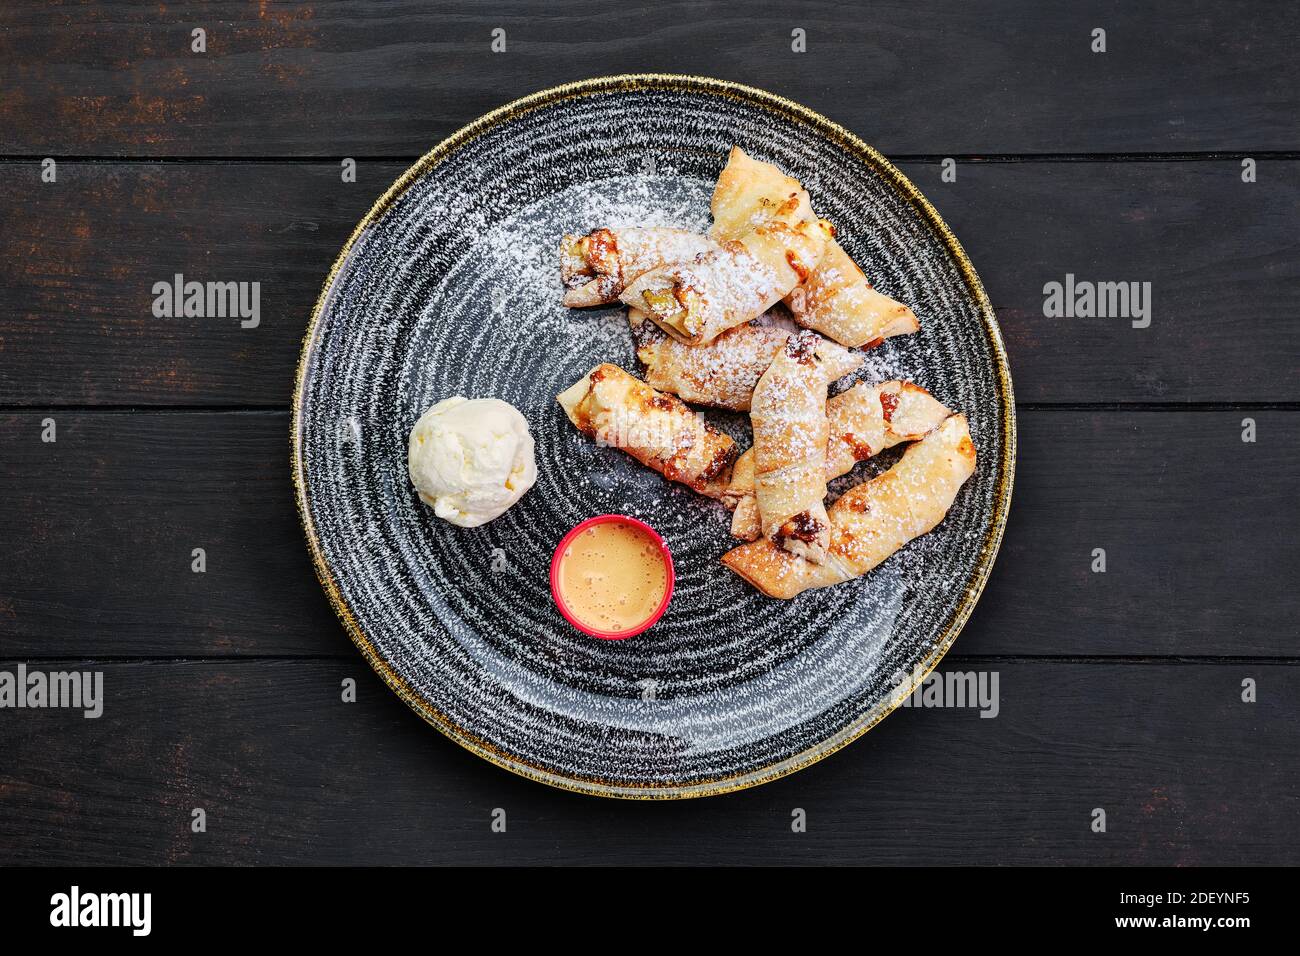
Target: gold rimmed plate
450	286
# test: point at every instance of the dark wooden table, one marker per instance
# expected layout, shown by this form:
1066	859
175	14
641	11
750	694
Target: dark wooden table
1119	690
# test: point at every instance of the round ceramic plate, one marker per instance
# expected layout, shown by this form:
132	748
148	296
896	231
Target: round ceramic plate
450	286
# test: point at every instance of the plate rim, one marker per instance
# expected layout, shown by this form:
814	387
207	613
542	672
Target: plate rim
845	139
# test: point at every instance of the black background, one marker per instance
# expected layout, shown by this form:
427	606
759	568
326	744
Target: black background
1119	690
333	907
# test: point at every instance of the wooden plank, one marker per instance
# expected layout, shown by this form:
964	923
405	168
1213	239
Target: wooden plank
376	78
286	773
1196	526
78	328
101	527
1216	259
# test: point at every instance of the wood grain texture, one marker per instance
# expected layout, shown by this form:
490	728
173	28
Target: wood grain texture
389	78
285	772
1221	256
77	327
1196	525
101	527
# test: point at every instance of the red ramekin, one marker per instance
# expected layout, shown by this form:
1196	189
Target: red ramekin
668	566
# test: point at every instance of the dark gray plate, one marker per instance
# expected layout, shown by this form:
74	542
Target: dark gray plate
450	286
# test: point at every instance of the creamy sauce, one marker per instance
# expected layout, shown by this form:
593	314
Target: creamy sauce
612	577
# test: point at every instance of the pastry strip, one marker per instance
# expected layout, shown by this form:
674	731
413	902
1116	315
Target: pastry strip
597	267
836	299
790	437
722	373
745	193
839	302
873	520
864	420
614	408
699	300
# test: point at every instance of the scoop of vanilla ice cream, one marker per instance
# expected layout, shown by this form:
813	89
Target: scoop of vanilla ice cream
471	459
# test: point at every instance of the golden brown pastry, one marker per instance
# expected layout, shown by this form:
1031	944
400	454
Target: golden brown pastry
864	420
791	432
699	300
839	302
597	267
745	193
722	373
614	408
836	299
873	520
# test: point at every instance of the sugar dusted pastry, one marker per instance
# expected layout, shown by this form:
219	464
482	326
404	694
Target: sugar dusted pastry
694	307
722	373
697	301
786	239
836	299
614	408
791	432
872	521
839	302
864	420
746	192
597	267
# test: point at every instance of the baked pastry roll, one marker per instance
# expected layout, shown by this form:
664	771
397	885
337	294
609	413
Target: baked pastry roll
722	373
836	299
873	520
839	302
864	420
614	408
790	437
745	193
699	300
597	267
